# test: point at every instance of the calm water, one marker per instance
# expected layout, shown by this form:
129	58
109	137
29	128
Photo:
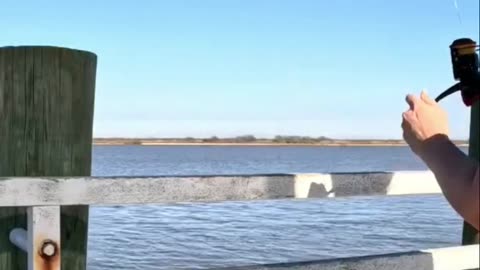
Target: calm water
202	236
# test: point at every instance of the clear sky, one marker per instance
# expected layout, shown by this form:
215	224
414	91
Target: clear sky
338	68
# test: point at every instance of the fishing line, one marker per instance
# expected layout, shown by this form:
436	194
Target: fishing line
458	11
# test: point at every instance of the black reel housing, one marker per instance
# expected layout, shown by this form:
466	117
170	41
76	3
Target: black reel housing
465	70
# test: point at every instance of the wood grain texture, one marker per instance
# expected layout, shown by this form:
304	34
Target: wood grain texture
470	234
46	120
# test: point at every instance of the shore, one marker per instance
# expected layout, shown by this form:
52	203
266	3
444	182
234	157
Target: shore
256	144
333	143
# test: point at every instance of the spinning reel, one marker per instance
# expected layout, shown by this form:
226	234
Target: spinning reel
464	58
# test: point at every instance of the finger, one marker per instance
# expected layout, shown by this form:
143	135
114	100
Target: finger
407	131
409	116
424	96
406	121
406	126
409	121
412	101
407	135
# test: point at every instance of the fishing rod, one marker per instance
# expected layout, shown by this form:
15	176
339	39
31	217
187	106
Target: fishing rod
465	70
464	57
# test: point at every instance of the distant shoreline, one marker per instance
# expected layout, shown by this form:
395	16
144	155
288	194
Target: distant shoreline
252	144
262	142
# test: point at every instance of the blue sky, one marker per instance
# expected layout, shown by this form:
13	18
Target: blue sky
200	68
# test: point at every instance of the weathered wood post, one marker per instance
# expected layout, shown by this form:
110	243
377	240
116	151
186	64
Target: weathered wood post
46	122
470	235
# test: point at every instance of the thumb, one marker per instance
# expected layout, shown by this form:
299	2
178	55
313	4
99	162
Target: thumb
424	96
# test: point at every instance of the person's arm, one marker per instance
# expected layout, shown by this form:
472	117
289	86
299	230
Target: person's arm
457	175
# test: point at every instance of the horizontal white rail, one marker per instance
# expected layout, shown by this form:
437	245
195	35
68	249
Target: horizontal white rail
133	190
43	196
450	258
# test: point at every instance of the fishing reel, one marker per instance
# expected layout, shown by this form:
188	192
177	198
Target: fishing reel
464	58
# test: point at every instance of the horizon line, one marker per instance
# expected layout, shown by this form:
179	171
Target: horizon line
256	138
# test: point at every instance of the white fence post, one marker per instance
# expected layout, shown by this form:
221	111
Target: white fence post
44	238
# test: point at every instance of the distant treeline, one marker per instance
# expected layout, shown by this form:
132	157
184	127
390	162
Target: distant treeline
252	139
246	139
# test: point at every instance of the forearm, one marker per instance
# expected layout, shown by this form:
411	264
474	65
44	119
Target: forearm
457	176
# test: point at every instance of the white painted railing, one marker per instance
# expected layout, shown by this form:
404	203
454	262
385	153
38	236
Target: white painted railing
450	258
43	196
141	190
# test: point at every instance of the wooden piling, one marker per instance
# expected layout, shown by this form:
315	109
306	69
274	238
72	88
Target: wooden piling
470	234
46	122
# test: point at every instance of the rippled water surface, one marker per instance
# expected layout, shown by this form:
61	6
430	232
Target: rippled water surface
202	236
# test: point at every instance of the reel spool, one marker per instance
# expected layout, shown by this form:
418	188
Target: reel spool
464	57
